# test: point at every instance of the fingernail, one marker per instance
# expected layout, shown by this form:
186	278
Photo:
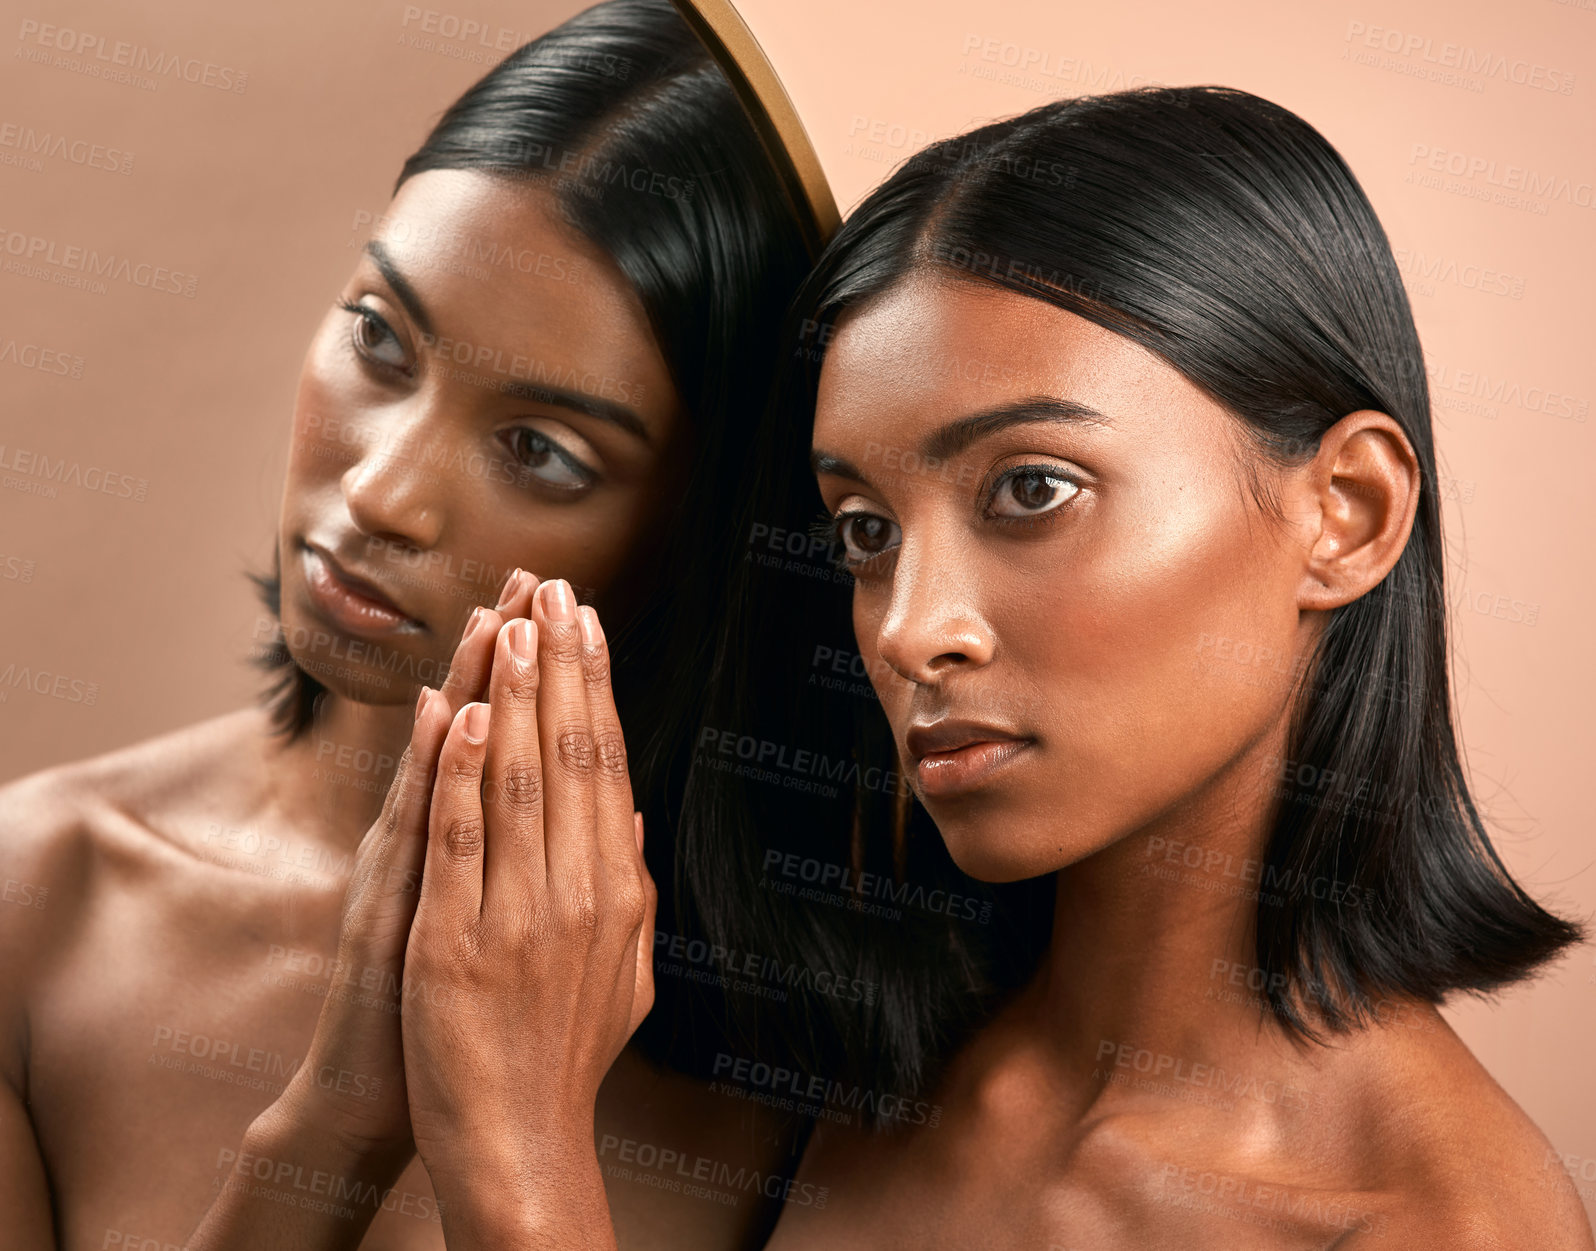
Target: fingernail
512	584
523	642
421	700
472	623
592	632
558	602
476	723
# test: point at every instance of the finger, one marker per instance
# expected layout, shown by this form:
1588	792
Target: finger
643	992
513	790
566	728
391	854
411	787
467	679
611	780
451	888
515	600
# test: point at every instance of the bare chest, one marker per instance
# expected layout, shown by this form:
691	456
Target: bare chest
178	1013
960	1186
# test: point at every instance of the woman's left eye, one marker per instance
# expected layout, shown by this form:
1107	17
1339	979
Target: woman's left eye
1030	490
542	458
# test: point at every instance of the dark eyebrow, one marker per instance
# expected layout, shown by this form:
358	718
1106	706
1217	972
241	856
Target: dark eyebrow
576	402
558	397
953	438
822	462
400	284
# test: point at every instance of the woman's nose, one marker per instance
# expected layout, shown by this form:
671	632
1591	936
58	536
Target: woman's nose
394	491
932	623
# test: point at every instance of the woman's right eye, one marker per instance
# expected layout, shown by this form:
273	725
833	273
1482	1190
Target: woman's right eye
865	536
374	338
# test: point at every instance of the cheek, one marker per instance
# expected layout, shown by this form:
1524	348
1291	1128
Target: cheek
1121	643
494	532
328	413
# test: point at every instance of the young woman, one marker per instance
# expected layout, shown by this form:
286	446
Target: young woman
1120	420
545	360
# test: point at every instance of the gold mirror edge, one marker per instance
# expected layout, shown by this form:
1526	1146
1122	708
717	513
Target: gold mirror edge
729	40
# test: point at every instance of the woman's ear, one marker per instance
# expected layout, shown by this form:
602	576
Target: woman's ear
1363	490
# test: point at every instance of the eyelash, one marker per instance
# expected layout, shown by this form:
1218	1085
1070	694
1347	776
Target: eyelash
829	525
370	317
1044	471
588	476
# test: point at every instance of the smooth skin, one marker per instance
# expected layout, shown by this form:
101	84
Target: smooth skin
1061	580
210	979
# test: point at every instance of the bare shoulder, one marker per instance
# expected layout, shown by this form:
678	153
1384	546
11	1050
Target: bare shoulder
61	829
1472	1170
48	816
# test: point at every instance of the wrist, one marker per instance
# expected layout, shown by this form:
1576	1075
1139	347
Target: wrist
513	1145
292	1183
515	1190
301	1135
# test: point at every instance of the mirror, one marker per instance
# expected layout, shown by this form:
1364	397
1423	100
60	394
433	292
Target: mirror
536	353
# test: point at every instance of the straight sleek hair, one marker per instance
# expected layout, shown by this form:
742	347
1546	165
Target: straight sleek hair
621	114
1226	235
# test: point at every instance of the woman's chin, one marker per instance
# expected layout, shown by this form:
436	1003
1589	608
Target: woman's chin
986	858
999	850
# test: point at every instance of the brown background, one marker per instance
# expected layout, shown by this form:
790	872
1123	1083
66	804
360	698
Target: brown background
256	194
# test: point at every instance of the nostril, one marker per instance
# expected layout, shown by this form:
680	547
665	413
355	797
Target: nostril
928	651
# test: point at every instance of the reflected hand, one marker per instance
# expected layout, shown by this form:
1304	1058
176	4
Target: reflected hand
345	1113
533	938
352	1082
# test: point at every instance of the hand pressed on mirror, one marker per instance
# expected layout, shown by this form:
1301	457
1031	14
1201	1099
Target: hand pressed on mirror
345	1110
530	954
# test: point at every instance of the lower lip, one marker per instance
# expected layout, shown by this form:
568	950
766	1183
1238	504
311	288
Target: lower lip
945	773
347	608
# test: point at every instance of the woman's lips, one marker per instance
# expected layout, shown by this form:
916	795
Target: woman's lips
348	604
949	761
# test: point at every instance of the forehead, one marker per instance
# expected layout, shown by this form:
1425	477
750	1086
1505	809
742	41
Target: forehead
935	347
498	269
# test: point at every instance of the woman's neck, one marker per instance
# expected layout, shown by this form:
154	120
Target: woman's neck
330	782
1151	967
